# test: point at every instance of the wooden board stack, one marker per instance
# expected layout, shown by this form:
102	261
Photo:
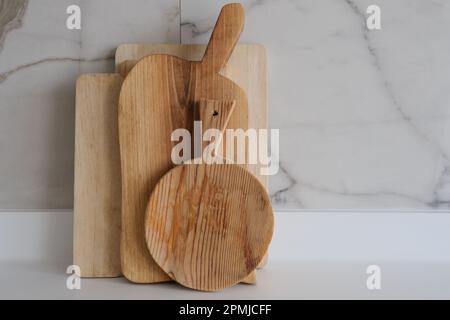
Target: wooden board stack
162	84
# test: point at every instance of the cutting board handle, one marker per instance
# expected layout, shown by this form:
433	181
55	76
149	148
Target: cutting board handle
224	37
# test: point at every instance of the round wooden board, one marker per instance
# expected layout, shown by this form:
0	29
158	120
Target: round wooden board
208	226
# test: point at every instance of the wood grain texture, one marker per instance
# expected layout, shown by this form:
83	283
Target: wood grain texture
97	189
214	114
208	226
156	98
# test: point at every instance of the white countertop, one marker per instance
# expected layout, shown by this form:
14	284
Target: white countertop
314	255
279	280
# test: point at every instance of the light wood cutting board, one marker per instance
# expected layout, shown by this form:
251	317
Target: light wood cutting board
97	203
208	226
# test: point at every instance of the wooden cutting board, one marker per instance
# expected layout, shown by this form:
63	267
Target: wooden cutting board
157	97
97	203
208	226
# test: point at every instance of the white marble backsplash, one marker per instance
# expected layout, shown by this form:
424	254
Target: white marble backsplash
40	60
364	116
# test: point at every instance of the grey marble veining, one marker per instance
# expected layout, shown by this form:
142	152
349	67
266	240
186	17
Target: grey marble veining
40	61
364	116
11	13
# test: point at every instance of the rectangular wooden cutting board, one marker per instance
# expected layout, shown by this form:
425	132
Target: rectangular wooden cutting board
97	203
